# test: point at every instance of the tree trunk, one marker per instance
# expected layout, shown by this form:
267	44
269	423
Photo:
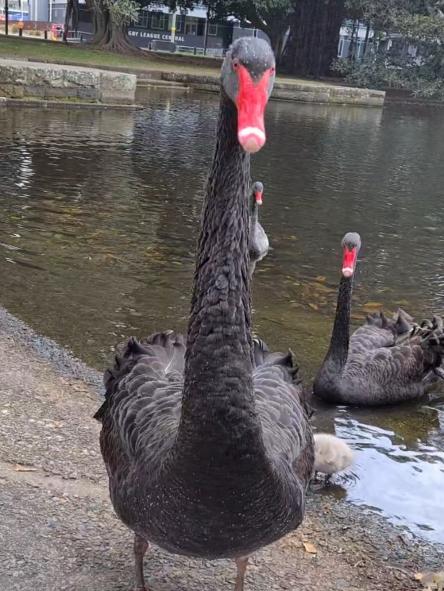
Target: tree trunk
276	35
352	46
100	20
108	35
207	25
117	39
71	17
314	36
367	34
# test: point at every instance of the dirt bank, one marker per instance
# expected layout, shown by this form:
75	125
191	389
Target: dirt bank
58	531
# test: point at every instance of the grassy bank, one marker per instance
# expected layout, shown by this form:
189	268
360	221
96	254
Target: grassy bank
20	48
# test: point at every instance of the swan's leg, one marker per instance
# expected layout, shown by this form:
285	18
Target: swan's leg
241	565
313	481
140	547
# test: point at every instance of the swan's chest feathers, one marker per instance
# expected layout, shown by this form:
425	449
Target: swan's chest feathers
209	519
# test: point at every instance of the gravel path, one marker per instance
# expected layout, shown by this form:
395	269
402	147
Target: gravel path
58	531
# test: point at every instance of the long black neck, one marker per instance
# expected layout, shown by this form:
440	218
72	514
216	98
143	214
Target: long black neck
218	410
340	337
254	210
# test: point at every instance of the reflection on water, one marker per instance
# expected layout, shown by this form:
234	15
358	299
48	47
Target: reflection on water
399	466
100	214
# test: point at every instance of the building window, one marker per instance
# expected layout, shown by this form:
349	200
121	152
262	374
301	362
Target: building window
212	29
143	18
180	23
191	26
159	21
341	48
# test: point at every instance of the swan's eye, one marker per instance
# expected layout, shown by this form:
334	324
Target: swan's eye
272	70
235	64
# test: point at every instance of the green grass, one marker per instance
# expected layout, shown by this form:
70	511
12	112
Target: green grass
55	51
17	47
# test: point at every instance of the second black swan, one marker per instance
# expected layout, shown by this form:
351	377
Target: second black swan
258	242
375	366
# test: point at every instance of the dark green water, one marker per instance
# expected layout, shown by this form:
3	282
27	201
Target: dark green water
100	213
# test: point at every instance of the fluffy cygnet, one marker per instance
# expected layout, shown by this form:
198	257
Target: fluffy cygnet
331	454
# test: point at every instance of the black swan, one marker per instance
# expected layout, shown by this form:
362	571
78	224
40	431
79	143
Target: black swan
258	245
376	365
207	441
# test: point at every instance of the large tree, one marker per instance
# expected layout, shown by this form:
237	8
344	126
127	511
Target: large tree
111	19
270	16
314	36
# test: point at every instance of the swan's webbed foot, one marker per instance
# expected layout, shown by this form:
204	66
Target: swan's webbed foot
140	548
241	566
318	482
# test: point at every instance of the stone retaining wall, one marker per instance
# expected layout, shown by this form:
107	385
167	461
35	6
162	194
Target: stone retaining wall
291	91
22	79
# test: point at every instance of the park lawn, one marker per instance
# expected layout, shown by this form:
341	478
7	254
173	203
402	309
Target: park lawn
15	47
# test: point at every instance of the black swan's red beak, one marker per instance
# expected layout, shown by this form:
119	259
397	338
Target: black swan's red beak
349	261
251	101
258	196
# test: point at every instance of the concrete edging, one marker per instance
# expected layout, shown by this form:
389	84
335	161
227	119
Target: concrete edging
288	91
53	82
53	104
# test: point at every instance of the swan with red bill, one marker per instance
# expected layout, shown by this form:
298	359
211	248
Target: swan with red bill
199	461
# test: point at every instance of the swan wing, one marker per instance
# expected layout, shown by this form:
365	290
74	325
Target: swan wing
141	412
389	366
284	411
369	337
379	331
400	366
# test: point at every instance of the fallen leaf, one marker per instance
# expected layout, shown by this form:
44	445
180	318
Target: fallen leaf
310	548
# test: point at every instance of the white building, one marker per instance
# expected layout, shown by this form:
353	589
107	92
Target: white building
35	10
345	39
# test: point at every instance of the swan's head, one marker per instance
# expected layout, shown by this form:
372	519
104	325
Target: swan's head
351	243
248	73
258	191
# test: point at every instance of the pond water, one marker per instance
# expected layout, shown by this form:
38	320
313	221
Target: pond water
100	212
